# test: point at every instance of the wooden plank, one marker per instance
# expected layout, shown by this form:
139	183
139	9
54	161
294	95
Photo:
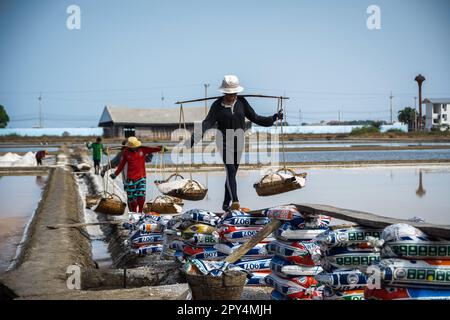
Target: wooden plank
372	220
263	233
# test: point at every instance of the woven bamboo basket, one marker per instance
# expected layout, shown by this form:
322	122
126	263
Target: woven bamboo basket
111	204
229	286
167	207
188	192
267	187
92	200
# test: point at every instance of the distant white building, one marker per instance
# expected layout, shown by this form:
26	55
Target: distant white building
437	112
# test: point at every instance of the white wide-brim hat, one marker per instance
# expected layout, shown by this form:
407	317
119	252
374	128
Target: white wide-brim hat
230	85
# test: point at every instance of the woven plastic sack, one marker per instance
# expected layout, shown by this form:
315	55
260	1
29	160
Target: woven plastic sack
343	279
149	227
331	294
301	253
406	242
254	265
198	228
349	258
347	236
258	279
201	240
206	253
302	295
286	269
415	273
237	234
394	293
245	221
285	213
201	216
287	232
292	285
198	266
140	239
310	222
148	249
228	248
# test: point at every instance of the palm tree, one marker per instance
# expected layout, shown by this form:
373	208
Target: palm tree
408	115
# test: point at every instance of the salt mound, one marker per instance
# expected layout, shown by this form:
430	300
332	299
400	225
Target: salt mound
27	160
14	160
167	187
10	157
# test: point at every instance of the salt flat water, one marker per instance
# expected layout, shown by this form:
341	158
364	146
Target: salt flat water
399	192
19	196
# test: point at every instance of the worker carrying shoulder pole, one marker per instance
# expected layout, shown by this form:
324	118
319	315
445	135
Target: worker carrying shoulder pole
97	150
229	113
134	156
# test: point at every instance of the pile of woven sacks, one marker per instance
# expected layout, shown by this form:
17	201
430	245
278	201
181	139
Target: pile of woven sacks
146	232
346	255
237	227
413	266
193	235
296	255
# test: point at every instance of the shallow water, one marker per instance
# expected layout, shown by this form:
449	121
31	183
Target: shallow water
317	156
26	149
19	196
307	144
393	192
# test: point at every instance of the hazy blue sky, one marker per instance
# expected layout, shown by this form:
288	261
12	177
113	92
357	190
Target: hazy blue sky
128	52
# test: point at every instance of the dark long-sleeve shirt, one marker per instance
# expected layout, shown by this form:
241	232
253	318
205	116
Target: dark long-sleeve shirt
226	118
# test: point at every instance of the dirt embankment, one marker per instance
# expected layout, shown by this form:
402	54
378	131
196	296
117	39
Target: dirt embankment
45	256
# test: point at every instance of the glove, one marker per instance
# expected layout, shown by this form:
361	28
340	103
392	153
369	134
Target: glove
112	175
278	116
164	148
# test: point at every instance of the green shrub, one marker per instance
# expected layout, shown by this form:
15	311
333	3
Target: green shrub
395	131
365	130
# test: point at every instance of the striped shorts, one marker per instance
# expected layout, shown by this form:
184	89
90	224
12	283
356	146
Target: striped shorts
135	188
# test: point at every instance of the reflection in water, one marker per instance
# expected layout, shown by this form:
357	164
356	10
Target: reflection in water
40	181
420	192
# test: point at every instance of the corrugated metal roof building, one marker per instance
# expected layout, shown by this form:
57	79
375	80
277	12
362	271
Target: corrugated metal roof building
122	122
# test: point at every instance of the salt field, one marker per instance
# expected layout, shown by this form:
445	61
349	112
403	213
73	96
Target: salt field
19	196
398	192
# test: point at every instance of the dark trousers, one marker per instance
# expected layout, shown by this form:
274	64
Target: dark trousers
39	161
96	166
231	168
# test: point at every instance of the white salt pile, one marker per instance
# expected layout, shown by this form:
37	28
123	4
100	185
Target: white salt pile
15	160
167	187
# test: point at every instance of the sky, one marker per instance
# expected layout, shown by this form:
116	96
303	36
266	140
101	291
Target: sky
132	53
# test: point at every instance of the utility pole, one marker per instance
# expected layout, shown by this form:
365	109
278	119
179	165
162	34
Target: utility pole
299	117
206	85
40	110
390	98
